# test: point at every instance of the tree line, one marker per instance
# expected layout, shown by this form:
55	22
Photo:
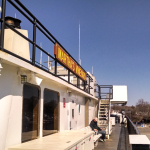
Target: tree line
139	112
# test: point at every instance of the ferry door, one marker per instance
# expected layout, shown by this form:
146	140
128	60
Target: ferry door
50	112
73	116
30	112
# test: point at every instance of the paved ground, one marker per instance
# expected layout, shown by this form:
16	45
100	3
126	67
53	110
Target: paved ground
112	143
145	131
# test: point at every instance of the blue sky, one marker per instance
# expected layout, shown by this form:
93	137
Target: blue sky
115	38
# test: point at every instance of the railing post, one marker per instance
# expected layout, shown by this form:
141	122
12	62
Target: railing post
89	84
98	108
84	84
68	76
109	118
99	92
77	81
34	42
2	24
55	67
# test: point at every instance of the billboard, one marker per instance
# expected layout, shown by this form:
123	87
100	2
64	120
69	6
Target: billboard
68	62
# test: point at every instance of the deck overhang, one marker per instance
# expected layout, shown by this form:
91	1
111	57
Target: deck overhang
28	68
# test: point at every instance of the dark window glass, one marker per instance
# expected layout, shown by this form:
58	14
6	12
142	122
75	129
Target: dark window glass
50	114
79	109
72	113
30	112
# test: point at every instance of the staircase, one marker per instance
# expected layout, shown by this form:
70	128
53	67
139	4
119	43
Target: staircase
103	115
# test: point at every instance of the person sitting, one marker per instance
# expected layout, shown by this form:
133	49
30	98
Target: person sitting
95	128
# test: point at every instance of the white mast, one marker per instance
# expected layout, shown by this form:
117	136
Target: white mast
79	45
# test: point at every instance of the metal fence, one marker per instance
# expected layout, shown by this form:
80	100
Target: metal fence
132	129
37	25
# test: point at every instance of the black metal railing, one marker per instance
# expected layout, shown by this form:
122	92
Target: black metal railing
85	86
132	129
106	92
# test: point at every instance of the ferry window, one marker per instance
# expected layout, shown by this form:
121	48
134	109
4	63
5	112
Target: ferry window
50	112
72	113
30	112
79	109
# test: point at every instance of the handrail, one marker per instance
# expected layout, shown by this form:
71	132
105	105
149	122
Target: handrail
30	14
132	129
37	25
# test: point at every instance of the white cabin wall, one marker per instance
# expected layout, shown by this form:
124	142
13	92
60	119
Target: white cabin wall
11	101
119	94
81	115
10	107
41	112
92	110
63	111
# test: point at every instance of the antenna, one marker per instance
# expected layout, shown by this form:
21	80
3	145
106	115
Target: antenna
79	44
41	56
48	62
92	70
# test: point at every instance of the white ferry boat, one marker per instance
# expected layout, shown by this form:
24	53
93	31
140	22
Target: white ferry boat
47	105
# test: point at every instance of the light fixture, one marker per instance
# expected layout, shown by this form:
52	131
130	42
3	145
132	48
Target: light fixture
23	79
21	73
69	92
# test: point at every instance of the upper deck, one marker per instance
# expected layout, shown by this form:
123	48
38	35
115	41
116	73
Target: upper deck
43	88
19	48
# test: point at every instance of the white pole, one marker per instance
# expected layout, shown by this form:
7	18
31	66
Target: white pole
92	70
41	56
79	45
15	15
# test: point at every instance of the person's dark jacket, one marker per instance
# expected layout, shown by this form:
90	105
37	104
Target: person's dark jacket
93	125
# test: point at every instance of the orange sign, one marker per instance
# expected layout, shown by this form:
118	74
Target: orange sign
64	58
